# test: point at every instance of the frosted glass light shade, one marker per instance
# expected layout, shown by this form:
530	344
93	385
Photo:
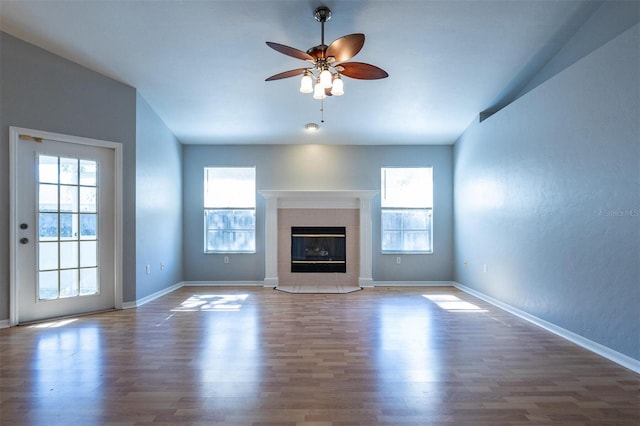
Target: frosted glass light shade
306	84
318	91
325	79
338	87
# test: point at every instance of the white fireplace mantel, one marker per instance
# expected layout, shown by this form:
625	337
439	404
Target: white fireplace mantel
287	199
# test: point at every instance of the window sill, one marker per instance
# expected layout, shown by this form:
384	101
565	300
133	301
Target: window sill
230	252
406	252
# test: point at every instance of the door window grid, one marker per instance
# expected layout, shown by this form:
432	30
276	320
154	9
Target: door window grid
67	227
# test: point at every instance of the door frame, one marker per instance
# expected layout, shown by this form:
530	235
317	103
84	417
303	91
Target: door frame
14	140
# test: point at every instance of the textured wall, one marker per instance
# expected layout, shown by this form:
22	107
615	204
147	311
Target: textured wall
158	203
547	196
316	167
42	91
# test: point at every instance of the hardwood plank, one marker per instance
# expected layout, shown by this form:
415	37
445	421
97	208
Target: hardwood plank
255	356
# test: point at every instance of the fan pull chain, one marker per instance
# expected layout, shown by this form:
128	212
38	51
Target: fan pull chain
322	110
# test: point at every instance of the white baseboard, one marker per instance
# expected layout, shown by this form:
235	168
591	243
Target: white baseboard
413	284
617	357
223	283
149	298
4	323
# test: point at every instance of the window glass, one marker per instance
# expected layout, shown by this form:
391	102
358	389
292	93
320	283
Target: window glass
230	187
229	209
407	187
407	209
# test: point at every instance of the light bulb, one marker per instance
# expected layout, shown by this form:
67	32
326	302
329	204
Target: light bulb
306	84
311	127
325	78
338	87
318	91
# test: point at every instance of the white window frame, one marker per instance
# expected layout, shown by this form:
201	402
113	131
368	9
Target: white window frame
229	200
415	200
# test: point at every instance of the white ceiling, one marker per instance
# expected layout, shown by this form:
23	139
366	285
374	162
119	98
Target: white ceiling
201	65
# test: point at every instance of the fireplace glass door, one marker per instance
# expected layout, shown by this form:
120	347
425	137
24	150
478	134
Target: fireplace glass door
318	249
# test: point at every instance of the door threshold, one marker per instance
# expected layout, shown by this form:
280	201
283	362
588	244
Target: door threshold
65	317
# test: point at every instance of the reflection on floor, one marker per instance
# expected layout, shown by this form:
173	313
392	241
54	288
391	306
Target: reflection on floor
254	356
315	289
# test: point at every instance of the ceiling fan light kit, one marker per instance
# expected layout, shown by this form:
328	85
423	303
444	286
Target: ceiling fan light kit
327	62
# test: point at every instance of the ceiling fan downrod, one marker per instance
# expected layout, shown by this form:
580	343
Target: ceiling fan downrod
322	15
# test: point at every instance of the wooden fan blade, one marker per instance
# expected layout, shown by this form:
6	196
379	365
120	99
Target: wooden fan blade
287	74
362	71
345	47
290	51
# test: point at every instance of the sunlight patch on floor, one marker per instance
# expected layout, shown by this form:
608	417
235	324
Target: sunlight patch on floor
212	303
54	324
453	303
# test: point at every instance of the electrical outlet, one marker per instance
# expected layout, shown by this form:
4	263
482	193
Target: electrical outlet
466	263
226	259
485	267
398	260
148	269
162	266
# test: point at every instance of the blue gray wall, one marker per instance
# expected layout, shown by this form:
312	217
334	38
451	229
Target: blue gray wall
42	91
317	167
547	196
607	20
158	203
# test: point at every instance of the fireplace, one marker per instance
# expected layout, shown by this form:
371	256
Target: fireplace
287	208
318	249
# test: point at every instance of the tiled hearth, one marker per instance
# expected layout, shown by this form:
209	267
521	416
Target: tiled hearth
351	209
323	289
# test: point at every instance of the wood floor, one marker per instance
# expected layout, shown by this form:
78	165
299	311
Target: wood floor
255	356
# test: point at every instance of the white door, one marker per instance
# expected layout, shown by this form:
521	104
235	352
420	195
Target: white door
64	214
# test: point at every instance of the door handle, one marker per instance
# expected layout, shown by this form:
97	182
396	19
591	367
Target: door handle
24	240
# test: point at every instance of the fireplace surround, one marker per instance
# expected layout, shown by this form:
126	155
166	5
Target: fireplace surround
317	203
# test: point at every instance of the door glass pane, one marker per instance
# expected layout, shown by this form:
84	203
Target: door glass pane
88	226
88	253
68	226
48	285
47	169
48	198
68	254
69	171
48	226
88	281
88	172
68	198
88	199
48	256
69	283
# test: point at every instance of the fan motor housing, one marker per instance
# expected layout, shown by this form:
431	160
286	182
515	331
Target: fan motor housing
318	51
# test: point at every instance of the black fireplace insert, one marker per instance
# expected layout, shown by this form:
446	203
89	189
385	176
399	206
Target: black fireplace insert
318	249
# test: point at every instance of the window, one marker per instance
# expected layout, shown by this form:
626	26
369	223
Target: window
407	209
229	210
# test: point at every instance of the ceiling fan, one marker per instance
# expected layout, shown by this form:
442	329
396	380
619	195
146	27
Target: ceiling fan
327	62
